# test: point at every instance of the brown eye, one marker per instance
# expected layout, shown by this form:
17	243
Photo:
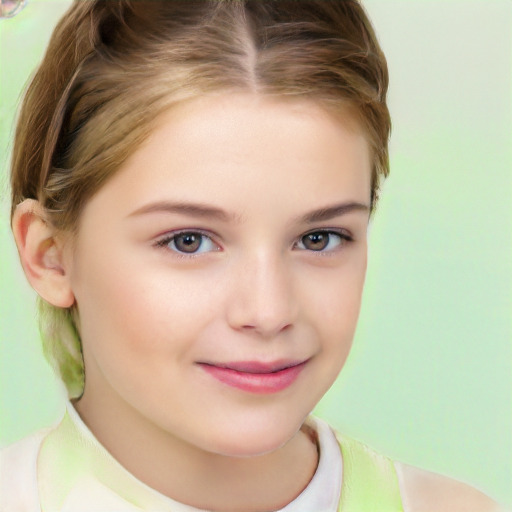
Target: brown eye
321	241
316	241
188	242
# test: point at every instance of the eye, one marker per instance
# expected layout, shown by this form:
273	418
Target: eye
189	242
322	241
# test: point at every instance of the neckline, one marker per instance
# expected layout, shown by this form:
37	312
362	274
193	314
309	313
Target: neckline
321	494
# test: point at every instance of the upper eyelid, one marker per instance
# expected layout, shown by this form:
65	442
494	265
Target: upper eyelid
337	231
169	235
212	234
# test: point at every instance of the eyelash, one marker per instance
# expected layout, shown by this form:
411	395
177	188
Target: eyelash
171	238
343	236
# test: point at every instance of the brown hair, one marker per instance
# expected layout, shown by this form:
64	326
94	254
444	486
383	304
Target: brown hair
113	66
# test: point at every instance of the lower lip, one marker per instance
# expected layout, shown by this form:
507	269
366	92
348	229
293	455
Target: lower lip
261	383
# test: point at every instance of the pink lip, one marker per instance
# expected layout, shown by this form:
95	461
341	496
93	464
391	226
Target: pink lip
256	377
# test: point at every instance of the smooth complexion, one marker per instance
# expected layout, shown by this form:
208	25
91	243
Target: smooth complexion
233	241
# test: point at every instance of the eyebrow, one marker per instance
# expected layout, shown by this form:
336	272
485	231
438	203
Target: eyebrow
333	211
201	210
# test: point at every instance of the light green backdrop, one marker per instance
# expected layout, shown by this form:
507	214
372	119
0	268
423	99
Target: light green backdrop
429	381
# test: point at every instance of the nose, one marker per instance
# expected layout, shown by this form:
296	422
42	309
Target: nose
262	298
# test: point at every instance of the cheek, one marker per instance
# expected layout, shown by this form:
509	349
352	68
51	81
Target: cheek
336	304
139	309
343	287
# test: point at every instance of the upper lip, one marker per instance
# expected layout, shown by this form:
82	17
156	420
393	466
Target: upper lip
258	366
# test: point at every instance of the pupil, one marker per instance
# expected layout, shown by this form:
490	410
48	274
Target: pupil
188	242
316	241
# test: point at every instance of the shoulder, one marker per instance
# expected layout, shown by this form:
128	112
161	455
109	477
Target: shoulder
18	478
423	491
418	490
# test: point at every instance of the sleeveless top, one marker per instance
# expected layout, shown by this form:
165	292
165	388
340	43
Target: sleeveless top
59	469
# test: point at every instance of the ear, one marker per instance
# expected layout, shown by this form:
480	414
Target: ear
41	254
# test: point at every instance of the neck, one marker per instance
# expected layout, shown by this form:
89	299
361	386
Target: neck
193	476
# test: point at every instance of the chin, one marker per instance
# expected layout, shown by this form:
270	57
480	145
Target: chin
254	442
246	449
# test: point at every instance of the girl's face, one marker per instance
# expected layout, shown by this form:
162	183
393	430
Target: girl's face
218	275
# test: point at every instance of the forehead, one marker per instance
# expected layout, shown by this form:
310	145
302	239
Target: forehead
239	149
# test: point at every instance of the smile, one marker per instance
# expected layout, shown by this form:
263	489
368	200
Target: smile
256	377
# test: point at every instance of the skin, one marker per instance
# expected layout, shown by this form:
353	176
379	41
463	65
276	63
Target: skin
149	315
257	289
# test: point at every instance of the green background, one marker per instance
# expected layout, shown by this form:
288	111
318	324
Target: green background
429	380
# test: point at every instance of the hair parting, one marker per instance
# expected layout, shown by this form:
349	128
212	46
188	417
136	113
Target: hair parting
113	67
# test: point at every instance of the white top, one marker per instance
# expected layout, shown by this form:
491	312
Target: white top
91	480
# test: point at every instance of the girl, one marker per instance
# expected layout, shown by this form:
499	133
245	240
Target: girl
192	183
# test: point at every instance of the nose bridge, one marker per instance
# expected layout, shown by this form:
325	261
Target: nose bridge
262	300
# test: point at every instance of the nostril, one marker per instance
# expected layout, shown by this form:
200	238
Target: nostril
266	330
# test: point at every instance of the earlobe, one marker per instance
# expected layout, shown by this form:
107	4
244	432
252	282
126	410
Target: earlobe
41	254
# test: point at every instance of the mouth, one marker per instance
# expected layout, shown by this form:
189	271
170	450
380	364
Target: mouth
255	376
